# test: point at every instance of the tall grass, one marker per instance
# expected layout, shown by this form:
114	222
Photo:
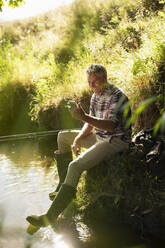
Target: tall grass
52	51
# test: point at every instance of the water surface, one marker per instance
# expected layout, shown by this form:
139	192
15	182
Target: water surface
27	176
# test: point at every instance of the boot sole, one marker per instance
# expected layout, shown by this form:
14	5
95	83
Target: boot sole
32	229
52	195
36	222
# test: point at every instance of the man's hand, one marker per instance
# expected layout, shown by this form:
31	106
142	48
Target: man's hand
76	147
78	112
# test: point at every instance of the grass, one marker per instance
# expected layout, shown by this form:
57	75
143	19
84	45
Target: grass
128	194
43	61
51	51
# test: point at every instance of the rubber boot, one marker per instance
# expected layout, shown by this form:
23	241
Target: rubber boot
62	161
61	201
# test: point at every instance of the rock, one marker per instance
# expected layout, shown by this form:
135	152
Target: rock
153	149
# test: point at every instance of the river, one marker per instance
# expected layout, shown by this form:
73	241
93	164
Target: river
27	176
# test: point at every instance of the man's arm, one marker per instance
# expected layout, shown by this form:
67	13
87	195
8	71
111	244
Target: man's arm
106	125
102	124
85	131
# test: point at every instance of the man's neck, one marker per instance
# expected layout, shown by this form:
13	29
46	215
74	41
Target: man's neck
103	88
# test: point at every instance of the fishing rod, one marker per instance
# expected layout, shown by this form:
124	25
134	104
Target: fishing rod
28	135
31	135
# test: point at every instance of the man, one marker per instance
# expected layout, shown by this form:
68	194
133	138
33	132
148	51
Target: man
106	117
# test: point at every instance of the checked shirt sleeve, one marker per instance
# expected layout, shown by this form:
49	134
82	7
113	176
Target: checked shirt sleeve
91	108
116	108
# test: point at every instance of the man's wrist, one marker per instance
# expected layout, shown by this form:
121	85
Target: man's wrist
85	118
76	140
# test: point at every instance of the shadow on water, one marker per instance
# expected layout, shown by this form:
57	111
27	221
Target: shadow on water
27	175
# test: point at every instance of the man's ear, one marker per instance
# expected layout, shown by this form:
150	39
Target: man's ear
105	78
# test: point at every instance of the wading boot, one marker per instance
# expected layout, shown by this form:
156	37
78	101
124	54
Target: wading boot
63	198
62	162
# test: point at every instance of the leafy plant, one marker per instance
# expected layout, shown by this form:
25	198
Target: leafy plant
11	3
160	125
139	110
116	34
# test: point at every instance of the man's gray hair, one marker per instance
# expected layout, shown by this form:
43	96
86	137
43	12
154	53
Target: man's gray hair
96	69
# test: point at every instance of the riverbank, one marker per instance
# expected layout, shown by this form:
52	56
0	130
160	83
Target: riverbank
42	64
48	54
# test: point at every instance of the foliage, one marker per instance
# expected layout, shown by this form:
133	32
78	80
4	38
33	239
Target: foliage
139	110
14	109
153	5
160	124
11	3
51	52
122	189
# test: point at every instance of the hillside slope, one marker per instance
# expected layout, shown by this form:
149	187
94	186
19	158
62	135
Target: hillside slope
50	53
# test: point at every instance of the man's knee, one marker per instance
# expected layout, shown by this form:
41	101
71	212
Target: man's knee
73	174
60	137
74	168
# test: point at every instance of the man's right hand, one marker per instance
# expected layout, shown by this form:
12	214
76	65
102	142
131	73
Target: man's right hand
76	147
86	130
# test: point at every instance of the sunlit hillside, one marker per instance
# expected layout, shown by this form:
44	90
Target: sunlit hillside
48	54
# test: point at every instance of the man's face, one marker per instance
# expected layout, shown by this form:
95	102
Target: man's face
97	83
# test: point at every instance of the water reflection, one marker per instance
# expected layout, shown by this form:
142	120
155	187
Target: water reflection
27	175
26	178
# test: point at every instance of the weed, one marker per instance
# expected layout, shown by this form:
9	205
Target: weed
51	52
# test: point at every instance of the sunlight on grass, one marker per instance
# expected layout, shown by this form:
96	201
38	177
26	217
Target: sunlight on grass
52	51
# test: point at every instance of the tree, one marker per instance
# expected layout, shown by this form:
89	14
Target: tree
11	3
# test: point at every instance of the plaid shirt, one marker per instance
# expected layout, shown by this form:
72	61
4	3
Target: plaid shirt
110	105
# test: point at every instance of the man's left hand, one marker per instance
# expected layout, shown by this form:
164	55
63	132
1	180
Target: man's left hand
78	112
